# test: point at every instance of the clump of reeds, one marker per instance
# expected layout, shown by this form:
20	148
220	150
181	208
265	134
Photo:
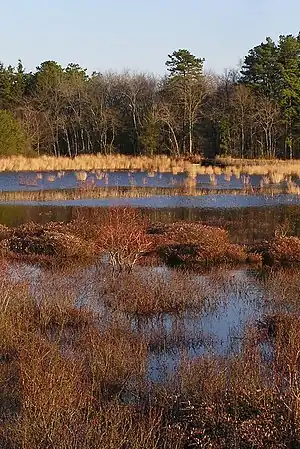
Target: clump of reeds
282	287
293	188
147	294
81	175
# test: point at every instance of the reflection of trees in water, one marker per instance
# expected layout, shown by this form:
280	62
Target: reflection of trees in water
245	225
12	215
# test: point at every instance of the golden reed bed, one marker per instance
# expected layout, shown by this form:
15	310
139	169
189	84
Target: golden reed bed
131	192
159	163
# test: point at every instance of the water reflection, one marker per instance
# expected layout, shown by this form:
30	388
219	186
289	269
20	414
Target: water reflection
33	181
245	225
232	300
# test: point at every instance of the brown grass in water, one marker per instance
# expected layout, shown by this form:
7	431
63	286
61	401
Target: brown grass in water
244	401
64	373
145	294
64	393
127	192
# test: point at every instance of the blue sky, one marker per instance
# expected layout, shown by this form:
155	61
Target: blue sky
139	34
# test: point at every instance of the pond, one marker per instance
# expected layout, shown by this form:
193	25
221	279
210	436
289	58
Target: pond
16	181
228	300
225	302
68	180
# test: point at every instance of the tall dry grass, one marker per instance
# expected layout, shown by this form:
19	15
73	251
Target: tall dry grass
62	377
245	400
76	376
94	162
144	293
276	169
135	192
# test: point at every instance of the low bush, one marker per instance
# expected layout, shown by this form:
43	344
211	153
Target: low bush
52	240
194	243
280	251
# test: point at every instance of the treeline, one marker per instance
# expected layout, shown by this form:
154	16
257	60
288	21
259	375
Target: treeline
254	112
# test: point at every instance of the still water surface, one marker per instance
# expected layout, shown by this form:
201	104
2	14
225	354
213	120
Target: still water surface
233	300
15	181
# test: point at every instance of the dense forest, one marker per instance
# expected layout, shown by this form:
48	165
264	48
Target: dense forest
254	112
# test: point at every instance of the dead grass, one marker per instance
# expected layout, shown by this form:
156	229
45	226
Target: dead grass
130	192
62	389
67	370
244	401
84	163
94	162
148	294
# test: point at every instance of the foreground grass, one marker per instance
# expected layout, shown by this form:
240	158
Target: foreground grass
72	376
61	378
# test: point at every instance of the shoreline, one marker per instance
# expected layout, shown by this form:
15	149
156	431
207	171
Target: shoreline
159	163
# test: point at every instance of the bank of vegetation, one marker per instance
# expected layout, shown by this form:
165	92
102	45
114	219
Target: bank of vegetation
124	237
248	113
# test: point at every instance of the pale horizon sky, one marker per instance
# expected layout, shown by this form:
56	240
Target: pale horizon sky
139	35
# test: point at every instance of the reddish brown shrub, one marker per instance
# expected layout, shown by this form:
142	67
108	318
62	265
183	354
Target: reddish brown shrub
194	243
281	250
123	237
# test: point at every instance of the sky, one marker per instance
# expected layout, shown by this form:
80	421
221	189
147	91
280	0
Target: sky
138	34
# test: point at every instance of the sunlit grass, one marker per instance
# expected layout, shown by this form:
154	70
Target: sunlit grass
161	163
93	192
